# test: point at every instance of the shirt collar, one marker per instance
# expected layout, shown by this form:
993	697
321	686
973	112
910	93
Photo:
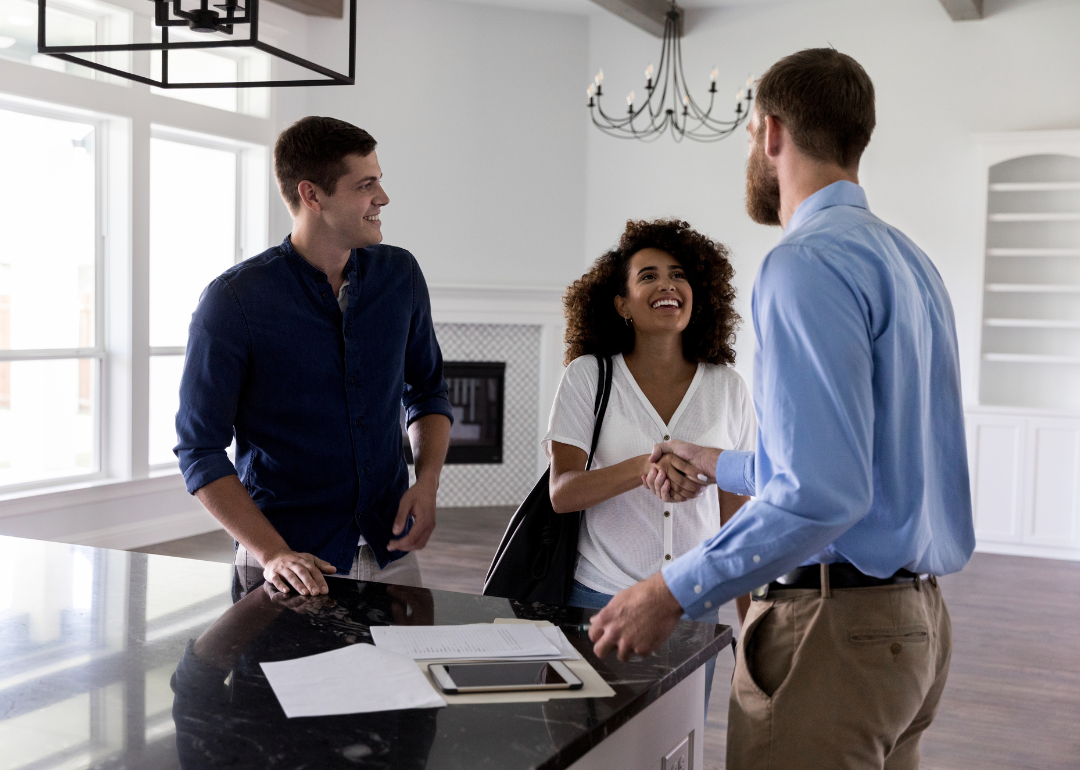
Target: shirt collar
842	193
310	269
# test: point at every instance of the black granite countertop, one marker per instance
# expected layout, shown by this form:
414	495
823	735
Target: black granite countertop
110	659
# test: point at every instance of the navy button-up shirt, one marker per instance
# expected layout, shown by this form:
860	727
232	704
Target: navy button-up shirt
312	396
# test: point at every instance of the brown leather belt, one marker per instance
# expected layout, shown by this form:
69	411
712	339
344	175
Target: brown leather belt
841	575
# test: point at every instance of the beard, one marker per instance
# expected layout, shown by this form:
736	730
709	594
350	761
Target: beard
762	187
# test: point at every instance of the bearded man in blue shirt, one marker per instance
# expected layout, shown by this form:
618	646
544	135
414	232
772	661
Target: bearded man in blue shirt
306	354
860	473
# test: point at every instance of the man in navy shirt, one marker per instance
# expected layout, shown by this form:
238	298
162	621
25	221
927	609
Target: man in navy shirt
860	473
305	354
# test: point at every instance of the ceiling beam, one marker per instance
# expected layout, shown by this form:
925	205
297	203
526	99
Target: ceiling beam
334	9
964	10
649	15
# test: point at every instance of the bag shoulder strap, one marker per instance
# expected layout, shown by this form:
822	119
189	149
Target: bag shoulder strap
603	392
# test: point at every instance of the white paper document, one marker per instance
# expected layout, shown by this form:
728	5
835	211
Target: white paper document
472	642
356	679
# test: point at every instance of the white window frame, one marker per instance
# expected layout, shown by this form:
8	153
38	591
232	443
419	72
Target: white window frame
125	117
97	352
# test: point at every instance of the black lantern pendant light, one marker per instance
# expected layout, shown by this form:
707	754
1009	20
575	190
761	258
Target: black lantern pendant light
225	21
669	105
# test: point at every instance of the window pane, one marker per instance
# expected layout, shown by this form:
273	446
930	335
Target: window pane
199	66
165	374
47	271
78	22
192	231
47	419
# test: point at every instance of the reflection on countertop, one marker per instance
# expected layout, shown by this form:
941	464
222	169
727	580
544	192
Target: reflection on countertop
110	659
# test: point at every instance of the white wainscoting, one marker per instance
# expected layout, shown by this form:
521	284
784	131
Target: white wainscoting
132	513
1025	481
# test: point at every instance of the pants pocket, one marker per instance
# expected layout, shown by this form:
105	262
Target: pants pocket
871	636
769	651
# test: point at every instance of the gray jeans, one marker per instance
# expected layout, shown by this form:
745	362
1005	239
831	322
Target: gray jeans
405	571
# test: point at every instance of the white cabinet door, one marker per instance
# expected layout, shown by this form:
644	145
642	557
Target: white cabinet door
1052	512
995	455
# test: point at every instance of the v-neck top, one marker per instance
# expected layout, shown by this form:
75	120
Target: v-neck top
630	537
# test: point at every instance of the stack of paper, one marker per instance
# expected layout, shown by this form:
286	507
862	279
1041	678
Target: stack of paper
474	642
356	679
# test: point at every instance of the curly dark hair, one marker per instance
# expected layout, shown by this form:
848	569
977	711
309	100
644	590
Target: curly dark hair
594	327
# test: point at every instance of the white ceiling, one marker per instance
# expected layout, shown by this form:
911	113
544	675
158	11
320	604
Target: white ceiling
586	6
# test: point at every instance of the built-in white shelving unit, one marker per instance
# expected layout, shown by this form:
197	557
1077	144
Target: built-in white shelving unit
1024	434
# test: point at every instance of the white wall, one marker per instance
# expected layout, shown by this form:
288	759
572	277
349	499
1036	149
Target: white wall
937	82
481	137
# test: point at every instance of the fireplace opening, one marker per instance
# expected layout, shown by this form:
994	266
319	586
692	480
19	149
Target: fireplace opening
476	396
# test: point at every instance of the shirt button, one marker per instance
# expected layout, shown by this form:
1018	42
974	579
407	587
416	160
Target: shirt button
667	513
366	470
697	589
667	556
352	380
708	605
346	333
324	295
359	421
756	558
667	438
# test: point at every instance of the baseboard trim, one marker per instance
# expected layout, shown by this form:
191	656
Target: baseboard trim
1037	551
139	534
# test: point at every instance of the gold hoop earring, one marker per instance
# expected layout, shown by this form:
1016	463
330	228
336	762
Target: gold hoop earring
628	321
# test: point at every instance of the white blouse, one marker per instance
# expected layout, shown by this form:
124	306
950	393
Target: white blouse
630	537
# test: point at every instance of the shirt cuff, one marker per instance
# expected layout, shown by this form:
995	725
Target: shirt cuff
735	472
688	586
426	406
207	470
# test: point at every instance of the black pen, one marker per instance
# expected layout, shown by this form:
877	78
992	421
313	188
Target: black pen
578	626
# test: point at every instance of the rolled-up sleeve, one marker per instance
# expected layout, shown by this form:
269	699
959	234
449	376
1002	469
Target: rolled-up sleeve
814	479
735	471
425	389
218	352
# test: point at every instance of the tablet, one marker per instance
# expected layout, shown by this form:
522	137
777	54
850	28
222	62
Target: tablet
460	678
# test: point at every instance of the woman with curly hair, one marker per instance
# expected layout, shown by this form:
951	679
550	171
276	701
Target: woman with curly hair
661	304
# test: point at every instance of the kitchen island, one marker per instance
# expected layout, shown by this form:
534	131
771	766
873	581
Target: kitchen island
113	659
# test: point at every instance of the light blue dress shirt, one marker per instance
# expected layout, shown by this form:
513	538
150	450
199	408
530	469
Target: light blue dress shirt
861	455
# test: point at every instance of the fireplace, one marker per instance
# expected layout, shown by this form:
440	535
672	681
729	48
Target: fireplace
476	396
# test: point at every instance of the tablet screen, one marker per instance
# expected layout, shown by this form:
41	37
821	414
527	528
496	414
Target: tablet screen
504	674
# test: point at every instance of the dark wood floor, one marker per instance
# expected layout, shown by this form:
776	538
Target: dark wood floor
1013	698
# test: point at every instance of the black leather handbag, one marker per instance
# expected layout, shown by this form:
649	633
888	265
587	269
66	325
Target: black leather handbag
536	557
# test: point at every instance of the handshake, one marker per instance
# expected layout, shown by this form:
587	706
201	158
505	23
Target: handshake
677	470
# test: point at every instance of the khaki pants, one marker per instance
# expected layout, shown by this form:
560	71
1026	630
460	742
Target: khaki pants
405	571
848	678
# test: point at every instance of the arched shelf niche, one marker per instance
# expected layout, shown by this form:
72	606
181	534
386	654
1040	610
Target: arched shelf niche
1030	348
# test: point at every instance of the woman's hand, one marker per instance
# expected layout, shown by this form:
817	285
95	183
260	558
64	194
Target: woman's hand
673	479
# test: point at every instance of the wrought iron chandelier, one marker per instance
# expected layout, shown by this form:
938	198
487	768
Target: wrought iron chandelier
219	23
682	116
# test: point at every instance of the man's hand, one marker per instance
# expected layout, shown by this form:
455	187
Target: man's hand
638	620
418	502
673	479
702	458
302	571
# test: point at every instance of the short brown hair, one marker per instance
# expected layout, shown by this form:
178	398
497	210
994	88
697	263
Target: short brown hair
594	327
825	100
314	149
